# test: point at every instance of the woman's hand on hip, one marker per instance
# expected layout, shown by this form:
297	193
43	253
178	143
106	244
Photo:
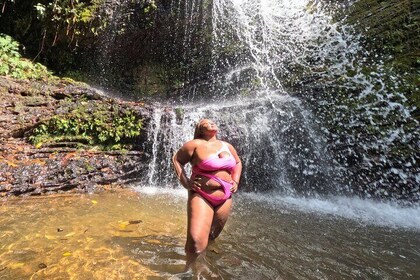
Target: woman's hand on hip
234	187
194	184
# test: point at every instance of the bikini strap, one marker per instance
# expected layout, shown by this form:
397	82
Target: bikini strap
211	176
224	148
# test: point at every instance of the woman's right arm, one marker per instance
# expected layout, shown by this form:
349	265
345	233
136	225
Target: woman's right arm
182	157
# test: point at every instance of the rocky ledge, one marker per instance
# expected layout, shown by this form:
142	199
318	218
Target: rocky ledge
64	166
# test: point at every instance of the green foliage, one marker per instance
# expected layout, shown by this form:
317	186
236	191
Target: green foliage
103	125
59	33
13	65
73	76
70	19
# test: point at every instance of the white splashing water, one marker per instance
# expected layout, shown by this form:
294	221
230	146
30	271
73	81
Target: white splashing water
281	40
271	35
360	210
275	34
269	133
257	47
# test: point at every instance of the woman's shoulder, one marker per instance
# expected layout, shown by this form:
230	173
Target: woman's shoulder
224	143
193	143
228	146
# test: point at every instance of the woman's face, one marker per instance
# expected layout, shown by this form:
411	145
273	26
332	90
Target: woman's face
208	125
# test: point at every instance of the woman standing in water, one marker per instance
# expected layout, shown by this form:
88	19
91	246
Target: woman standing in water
216	170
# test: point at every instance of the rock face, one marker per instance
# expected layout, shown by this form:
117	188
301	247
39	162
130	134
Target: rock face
57	167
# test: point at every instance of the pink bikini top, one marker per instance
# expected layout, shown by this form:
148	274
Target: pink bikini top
214	162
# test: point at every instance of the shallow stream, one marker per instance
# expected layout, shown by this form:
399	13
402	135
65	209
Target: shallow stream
141	234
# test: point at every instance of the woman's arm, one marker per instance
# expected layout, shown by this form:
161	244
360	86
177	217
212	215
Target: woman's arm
237	170
182	157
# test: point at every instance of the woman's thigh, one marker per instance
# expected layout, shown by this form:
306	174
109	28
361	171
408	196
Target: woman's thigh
221	214
200	217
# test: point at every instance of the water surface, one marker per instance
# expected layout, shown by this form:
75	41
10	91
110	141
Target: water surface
141	235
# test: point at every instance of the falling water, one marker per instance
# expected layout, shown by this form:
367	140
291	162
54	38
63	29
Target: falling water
260	113
278	124
269	60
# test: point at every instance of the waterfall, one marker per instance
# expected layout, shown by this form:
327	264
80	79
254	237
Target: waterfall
274	133
309	109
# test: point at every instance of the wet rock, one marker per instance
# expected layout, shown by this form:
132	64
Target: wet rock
61	167
134	222
42	266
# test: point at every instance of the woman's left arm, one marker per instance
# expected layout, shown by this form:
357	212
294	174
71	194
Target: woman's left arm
237	170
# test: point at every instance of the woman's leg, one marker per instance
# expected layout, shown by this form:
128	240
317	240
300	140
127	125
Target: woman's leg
200	217
221	215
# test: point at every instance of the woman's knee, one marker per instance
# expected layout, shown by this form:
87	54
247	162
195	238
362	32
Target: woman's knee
196	244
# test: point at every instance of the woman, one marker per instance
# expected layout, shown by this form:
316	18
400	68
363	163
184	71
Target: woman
216	170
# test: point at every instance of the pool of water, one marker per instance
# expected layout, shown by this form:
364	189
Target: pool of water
140	235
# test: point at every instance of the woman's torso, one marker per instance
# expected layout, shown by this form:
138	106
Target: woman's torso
212	158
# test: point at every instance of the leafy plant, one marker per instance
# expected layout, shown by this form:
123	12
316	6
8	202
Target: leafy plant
69	20
13	65
103	126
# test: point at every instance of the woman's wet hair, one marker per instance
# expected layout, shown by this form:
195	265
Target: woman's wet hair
197	130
